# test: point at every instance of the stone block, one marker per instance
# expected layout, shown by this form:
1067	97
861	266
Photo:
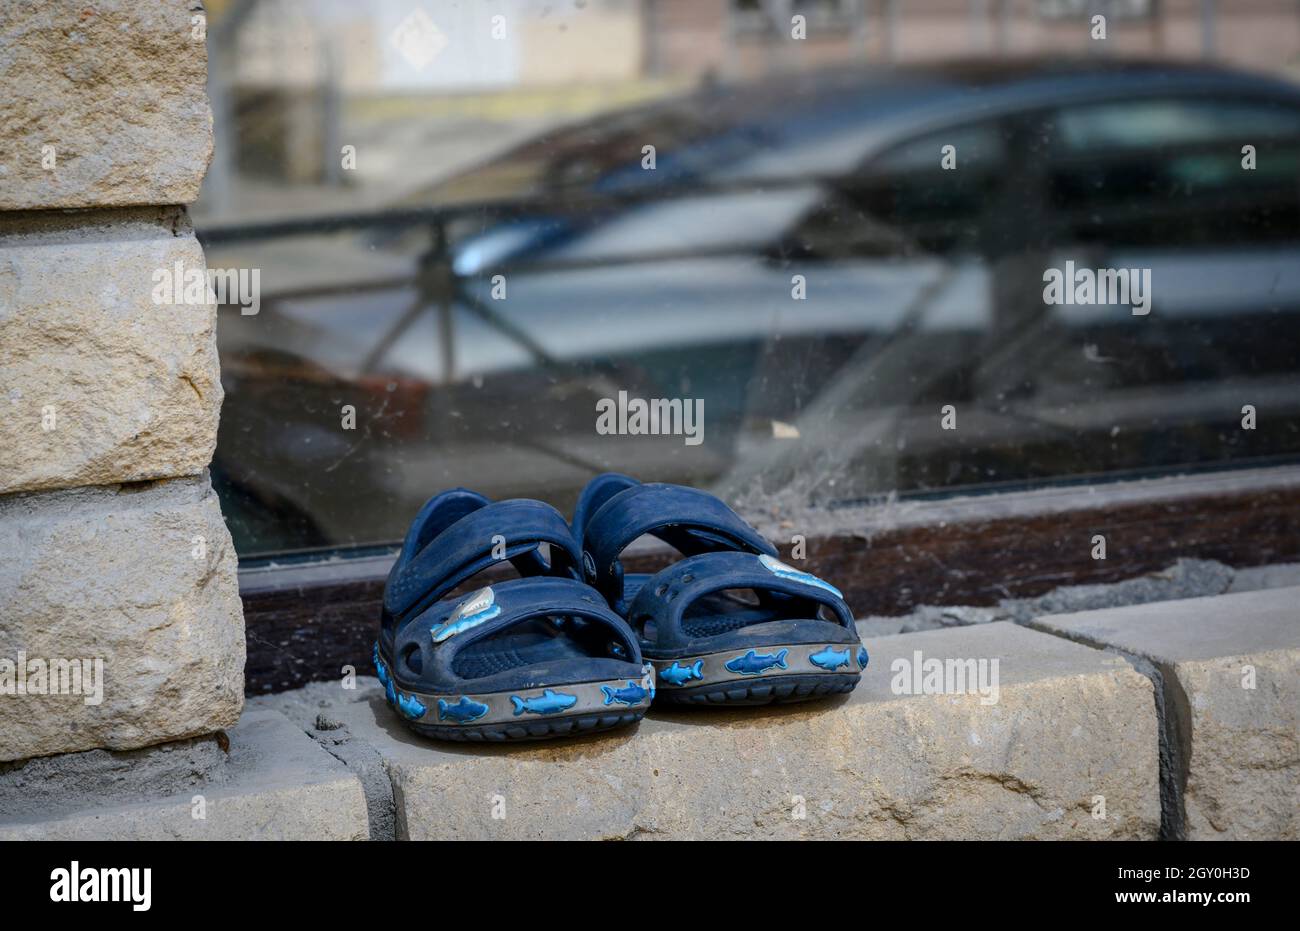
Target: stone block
1067	750
129	592
1229	671
262	780
100	384
104	103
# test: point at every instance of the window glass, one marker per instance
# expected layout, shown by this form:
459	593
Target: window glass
929	193
468	247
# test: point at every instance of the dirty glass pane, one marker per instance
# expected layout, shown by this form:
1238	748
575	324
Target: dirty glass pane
842	267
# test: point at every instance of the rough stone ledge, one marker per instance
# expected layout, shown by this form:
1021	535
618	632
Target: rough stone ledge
141	577
133	386
1228	673
1071	726
272	783
117	88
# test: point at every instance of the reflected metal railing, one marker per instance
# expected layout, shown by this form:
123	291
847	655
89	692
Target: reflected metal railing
441	288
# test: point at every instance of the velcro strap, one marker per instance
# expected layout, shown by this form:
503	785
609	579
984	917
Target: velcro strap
504	529
448	627
666	596
690	520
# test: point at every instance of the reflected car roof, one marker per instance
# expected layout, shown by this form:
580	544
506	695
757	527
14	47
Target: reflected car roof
837	117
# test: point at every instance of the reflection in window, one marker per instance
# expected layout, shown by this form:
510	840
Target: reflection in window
1150	124
799	259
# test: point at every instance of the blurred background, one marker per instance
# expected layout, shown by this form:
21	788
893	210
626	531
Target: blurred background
457	237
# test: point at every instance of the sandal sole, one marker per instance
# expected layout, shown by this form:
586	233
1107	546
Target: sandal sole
541	713
778	690
542	729
780	673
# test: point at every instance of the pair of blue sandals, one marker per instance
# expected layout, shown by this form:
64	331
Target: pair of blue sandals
576	645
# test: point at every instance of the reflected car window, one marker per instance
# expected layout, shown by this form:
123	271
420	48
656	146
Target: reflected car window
979	145
1148	124
1170	172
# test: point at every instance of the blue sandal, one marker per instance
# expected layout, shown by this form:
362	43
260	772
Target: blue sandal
530	658
794	640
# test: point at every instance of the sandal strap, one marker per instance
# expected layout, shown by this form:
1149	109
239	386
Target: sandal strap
443	630
690	520
594	494
454	537
664	599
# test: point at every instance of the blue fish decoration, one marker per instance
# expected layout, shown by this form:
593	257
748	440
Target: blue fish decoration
629	695
390	693
410	706
862	657
462	712
549	702
751	664
477	609
380	669
676	674
829	659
